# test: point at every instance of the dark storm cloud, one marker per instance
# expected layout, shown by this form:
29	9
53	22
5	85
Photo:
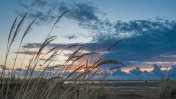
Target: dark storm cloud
153	39
156	39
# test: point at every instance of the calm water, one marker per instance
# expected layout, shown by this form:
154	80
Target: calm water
112	81
130	81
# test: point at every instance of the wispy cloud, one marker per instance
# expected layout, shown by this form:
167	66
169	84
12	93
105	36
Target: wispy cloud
4	67
48	10
31	53
70	37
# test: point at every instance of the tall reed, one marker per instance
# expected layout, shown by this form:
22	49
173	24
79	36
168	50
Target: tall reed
46	86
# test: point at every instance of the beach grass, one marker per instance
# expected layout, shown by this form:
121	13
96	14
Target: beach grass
45	86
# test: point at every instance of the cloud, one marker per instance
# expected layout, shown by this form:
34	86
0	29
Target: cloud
3	67
19	69
97	46
39	3
137	74
145	41
172	72
46	11
156	39
32	45
70	37
83	12
31	53
157	70
87	16
119	72
136	71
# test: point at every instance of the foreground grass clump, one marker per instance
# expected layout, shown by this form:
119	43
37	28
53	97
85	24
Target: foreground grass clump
19	80
36	81
167	90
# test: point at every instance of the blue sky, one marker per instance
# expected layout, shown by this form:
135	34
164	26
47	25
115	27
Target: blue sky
147	26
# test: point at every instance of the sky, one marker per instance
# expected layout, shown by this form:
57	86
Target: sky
147	27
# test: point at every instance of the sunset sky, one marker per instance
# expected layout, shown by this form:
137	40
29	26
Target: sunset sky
148	28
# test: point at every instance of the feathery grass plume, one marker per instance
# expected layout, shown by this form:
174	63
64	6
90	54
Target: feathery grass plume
11	29
44	44
10	43
81	56
57	21
17	29
9	37
28	29
25	33
36	59
74	53
48	59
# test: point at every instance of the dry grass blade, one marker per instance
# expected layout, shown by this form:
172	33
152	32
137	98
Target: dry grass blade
12	40
52	49
84	70
9	37
25	33
11	29
17	29
109	62
74	53
57	21
46	42
28	29
72	46
49	58
115	44
61	16
68	48
79	57
74	71
115	67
